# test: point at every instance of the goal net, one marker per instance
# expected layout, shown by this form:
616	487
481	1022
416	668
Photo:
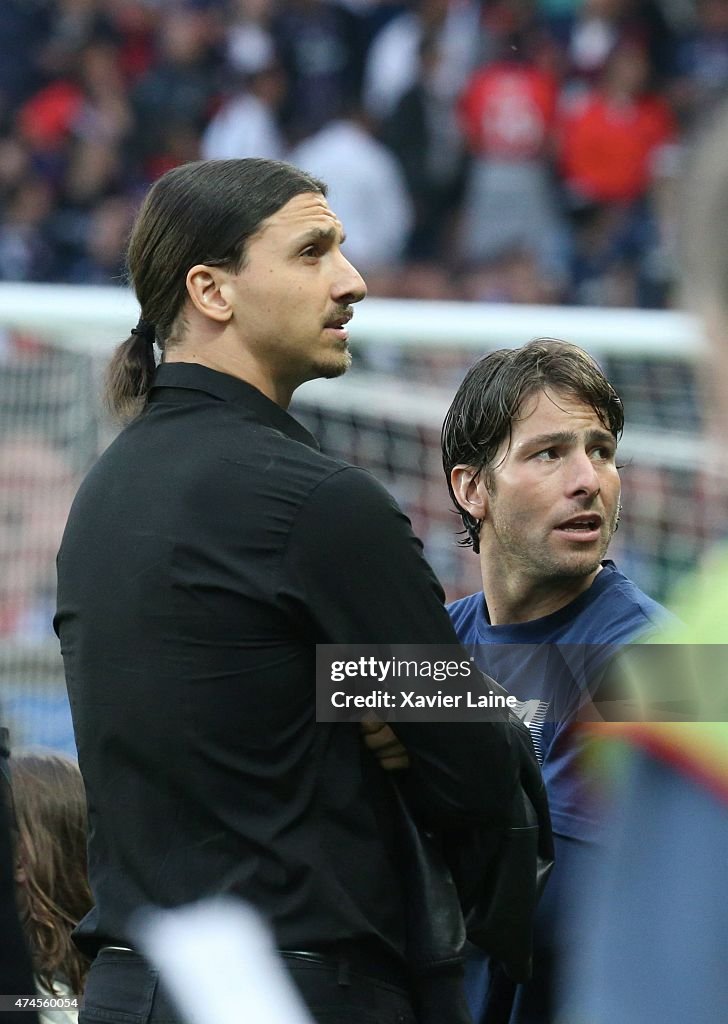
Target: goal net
385	415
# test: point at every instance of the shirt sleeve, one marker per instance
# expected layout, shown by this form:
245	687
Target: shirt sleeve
355	570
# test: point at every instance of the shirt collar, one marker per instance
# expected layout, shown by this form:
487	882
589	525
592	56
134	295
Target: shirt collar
224	387
538	629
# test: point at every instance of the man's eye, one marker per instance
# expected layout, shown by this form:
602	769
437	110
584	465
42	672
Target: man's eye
547	455
604	452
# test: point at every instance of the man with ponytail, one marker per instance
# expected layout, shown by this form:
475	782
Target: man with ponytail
207	553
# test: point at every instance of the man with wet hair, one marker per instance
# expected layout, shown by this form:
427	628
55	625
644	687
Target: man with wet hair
529	451
207	553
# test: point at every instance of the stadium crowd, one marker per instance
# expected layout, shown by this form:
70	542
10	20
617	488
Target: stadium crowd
514	150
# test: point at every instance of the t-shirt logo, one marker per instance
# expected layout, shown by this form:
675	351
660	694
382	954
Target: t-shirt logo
533	714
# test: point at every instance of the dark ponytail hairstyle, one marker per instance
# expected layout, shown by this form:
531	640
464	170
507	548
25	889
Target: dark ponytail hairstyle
202	212
129	374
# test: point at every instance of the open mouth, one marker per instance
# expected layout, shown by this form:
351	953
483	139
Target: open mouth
339	323
583	526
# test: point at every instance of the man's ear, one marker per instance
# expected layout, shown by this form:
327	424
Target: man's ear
206	287
470	490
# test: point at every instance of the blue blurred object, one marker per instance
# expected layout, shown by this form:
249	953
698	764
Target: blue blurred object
658	897
39	718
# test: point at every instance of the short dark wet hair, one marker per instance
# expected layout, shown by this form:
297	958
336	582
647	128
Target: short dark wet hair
492	394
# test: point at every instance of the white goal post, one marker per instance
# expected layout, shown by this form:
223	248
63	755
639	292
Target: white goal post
409	357
92	319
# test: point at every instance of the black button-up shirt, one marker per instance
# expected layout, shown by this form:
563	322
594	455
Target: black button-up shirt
207	552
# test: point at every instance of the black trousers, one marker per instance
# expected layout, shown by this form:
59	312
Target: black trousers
123	989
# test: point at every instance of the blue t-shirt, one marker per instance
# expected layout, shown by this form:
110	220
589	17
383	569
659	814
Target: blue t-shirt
552	665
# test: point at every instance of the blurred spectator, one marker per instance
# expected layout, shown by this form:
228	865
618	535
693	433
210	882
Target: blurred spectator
73	24
88	101
425	137
23	27
51	873
88	110
88	192
173	100
249	44
659	258
75	130
105	116
366	188
321	45
25	253
101	256
393	60
247	122
702	63
611	139
593	36
37	486
14	165
513	276
45	121
134	24
600	26
508	113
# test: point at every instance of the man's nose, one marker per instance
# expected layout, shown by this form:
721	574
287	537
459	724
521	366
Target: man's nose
583	478
349	285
